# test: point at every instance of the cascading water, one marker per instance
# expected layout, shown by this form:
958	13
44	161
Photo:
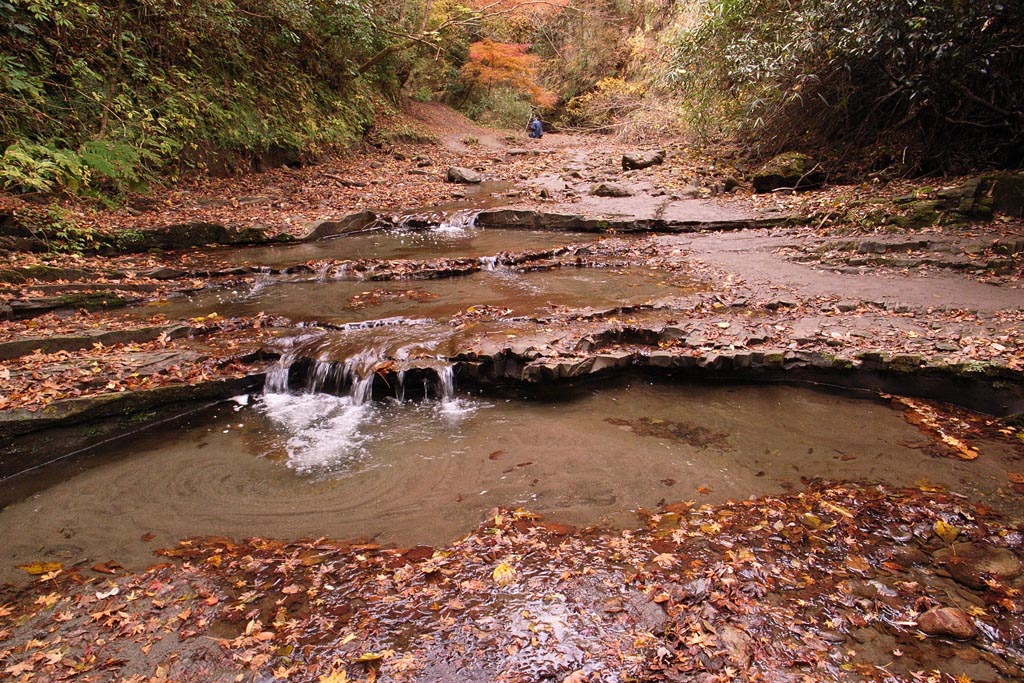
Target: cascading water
459	221
327	424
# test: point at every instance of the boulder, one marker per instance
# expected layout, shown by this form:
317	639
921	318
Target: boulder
637	160
611	190
947	621
789	170
982	196
356	222
463	176
1008	194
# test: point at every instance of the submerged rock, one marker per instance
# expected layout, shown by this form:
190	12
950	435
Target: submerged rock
973	563
951	622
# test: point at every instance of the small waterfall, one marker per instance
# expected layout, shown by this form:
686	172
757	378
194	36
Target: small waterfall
262	279
459	221
488	262
400	389
277	378
446	382
349	362
320	269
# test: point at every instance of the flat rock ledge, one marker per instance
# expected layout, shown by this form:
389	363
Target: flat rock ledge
89	408
27	345
988	388
541	220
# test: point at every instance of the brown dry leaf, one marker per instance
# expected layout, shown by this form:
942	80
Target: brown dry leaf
1015	477
858	564
962	449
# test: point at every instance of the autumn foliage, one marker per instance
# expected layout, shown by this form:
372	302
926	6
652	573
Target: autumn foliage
505	65
520	7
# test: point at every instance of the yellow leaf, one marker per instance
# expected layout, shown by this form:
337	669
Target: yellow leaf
837	508
504	575
369	657
337	675
38	568
810	520
946	531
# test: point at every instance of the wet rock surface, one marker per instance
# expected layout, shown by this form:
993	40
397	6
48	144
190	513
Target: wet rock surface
976	564
947	621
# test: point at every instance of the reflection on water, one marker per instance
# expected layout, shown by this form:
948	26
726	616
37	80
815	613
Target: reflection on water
293	465
448	240
346	301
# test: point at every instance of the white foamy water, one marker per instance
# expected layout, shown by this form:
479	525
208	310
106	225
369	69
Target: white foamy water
334	435
320	431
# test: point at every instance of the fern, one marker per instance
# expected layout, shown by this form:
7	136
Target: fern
115	162
29	168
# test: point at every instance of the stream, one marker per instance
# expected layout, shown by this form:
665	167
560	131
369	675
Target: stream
409	473
322	458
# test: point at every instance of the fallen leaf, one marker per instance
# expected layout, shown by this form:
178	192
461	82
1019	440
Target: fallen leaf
37	568
111	592
504	574
370	657
337	675
946	531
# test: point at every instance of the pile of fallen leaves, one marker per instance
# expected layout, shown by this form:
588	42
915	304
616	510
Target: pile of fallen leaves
837	583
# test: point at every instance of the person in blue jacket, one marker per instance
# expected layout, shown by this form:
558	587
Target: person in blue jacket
536	128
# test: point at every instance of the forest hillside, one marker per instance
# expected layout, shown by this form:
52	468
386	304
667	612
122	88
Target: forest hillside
100	97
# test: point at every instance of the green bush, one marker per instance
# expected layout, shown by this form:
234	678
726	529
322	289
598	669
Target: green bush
501	108
922	83
98	95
